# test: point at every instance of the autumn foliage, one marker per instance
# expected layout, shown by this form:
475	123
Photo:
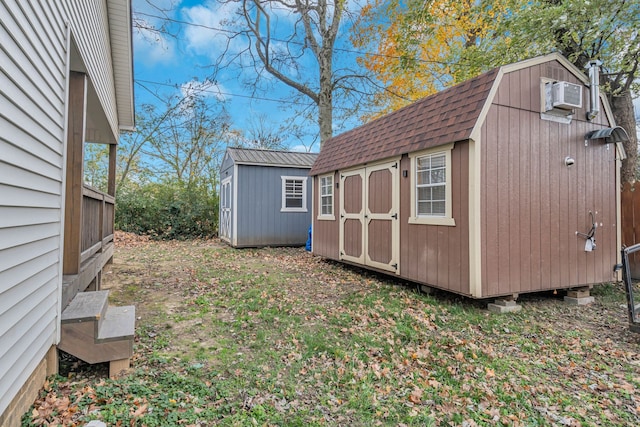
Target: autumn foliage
420	47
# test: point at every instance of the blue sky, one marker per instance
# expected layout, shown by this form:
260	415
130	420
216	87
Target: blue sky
171	63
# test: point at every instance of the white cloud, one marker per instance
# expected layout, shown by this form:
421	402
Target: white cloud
298	148
152	47
208	35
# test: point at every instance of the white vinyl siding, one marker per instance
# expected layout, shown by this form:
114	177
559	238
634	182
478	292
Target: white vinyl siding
32	96
33	87
294	194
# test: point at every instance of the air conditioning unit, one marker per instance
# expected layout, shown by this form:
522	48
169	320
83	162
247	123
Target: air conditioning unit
565	95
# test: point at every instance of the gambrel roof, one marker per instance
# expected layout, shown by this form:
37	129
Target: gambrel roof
444	117
455	114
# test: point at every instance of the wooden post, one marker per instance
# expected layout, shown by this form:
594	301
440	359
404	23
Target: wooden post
74	180
111	183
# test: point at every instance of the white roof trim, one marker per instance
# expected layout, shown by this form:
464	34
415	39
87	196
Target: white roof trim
119	13
555	56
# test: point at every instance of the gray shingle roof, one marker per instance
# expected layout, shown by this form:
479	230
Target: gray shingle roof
259	157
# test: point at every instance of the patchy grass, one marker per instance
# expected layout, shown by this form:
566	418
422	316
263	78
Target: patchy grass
279	337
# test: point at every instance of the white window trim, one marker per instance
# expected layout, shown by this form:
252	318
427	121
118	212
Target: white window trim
283	206
447	219
321	216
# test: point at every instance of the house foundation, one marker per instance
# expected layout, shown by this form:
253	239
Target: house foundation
28	393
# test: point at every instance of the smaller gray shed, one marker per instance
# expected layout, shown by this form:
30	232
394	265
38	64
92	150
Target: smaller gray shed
265	197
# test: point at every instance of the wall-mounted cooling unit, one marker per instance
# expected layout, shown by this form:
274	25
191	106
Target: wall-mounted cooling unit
567	95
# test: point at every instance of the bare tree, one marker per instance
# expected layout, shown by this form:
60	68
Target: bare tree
295	42
191	142
178	138
261	134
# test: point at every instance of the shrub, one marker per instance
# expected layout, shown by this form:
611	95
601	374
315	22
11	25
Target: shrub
168	210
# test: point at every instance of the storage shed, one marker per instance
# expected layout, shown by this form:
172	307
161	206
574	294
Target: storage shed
505	184
265	197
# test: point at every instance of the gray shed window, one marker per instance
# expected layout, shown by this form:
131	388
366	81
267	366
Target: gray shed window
294	194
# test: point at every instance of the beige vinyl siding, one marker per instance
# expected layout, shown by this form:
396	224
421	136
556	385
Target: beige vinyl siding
32	95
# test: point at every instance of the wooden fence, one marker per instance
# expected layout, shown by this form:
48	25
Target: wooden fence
630	217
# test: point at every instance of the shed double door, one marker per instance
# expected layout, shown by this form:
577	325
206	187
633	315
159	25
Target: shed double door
369	225
225	209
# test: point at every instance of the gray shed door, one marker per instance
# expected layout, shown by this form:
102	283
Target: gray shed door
225	210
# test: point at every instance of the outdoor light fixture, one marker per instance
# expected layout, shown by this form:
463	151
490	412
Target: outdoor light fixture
569	161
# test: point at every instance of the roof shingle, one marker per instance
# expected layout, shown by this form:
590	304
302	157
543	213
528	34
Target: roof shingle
444	117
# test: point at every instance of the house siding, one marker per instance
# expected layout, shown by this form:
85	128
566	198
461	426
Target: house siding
33	85
532	205
32	95
90	29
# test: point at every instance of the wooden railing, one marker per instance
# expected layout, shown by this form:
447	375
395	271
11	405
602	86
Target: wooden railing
98	210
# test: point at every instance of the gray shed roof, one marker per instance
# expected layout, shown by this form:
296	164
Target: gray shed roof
260	157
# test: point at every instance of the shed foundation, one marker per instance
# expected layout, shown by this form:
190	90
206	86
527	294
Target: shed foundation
504	306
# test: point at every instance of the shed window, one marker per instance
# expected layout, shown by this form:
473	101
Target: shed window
326	197
294	194
431	187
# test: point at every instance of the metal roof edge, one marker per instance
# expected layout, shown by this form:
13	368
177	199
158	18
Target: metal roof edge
273	165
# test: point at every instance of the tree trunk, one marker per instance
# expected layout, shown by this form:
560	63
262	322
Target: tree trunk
622	107
325	96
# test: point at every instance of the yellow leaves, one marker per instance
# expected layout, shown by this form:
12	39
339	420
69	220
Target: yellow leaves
419	48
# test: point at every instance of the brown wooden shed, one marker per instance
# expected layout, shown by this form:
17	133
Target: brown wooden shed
490	188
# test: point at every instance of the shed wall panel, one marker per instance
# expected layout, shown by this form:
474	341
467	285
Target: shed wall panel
260	221
433	254
532	205
325	233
